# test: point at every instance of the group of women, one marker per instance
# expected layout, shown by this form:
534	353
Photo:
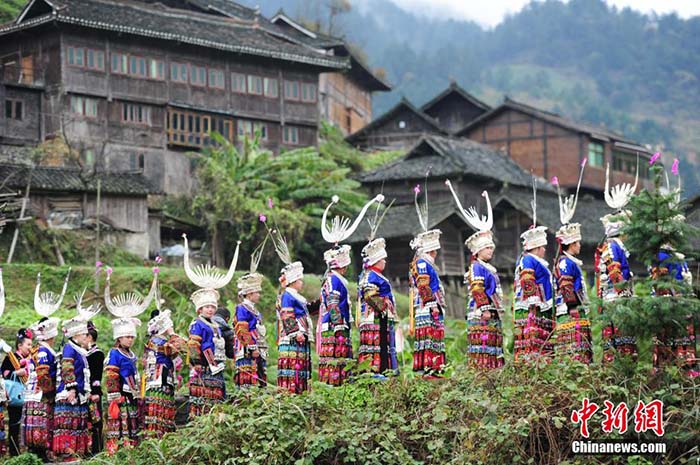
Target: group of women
59	413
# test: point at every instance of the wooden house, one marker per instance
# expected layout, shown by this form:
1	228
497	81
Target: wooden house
549	145
344	98
66	198
138	84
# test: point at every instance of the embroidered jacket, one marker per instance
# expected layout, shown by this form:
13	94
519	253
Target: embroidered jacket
484	289
376	296
75	372
121	374
335	303
533	283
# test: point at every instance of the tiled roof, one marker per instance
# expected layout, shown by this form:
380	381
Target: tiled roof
448	156
597	132
589	210
402	105
239	34
56	179
454	88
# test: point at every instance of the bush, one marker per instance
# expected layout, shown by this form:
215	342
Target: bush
24	459
507	416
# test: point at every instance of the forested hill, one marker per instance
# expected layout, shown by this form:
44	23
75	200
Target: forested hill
635	73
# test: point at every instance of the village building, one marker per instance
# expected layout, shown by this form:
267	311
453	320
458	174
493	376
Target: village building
140	84
549	145
404	124
344	98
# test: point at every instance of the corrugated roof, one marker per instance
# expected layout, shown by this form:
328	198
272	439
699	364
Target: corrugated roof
230	33
57	179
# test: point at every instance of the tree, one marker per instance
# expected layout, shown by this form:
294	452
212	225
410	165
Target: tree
657	222
291	190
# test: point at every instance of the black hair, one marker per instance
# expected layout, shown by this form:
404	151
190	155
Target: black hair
92	331
22	335
155	313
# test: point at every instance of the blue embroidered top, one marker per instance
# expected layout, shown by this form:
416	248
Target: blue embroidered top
533	283
74	369
335	303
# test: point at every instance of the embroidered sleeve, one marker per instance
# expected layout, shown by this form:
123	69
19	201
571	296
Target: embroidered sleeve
44	381
424	290
478	291
567	290
290	324
243	335
68	372
194	345
173	346
333	308
528	283
112	382
376	302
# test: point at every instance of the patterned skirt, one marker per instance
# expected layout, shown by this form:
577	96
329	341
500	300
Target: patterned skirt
3	434
532	334
159	412
336	352
378	346
572	338
679	350
122	426
616	343
485	339
294	366
250	372
37	424
71	434
206	390
429	344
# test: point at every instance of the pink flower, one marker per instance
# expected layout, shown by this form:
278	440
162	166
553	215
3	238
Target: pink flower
98	264
263	218
655	157
555	181
416	189
158	259
269	203
109	270
674	167
583	162
156	270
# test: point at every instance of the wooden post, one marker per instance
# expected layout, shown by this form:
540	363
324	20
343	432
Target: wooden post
97	236
25	200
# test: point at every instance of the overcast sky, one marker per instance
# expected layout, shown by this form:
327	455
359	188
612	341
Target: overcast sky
491	12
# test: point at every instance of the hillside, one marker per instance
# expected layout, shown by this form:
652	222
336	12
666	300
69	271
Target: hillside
634	73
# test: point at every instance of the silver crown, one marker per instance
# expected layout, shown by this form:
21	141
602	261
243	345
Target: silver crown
129	304
88	312
46	303
207	276
341	227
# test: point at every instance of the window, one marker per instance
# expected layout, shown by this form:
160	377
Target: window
120	63
198	76
290	135
88	158
627	163
249	129
271	87
156	69
308	93
135	113
76	56
95	60
255	85
216	79
291	90
137	67
191	129
596	154
136	161
178	72
238	83
84	106
13	109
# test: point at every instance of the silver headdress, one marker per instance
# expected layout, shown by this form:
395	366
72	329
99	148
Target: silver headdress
483	237
46	303
86	313
129	304
426	241
569	232
252	281
207	276
341	227
619	196
292	271
535	236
